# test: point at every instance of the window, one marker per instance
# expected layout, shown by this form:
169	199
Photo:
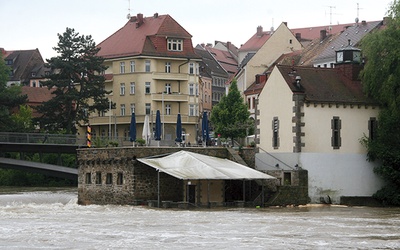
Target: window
132	108
147	66
192	110
122	109
254	102
88	178
132	66
287	179
372	127
122	67
336	125
9	62
167	109
109	178
98	178
122	89
132	88
197	90
168	88
120	179
191	89
167	67
33	83
148	108
248	103
191	68
175	44
275	132
147	88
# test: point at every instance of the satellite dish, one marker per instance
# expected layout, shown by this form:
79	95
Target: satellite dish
128	16
357	19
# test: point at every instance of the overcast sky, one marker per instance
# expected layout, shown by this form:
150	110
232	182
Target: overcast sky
30	24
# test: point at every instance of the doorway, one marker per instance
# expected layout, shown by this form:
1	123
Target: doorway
191	194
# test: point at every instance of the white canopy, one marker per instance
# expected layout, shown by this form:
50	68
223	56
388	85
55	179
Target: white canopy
192	166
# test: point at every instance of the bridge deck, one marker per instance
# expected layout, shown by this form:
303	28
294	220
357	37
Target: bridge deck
43	168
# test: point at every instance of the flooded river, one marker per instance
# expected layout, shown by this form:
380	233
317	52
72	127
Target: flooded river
53	220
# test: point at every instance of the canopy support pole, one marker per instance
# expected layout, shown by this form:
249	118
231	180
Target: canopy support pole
262	195
208	194
158	188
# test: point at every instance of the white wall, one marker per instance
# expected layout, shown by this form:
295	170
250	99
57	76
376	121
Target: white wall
332	175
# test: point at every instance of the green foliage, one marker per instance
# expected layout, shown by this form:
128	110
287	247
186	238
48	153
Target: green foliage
230	116
141	141
77	83
381	81
99	142
23	119
10	99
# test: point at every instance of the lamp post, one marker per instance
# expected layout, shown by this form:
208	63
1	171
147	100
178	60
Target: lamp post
109	119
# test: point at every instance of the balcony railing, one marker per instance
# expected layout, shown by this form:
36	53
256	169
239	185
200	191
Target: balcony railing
176	97
170	76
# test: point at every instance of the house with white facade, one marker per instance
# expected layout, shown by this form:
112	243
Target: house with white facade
255	60
314	119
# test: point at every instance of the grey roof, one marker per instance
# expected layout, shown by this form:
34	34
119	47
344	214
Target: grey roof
353	33
211	66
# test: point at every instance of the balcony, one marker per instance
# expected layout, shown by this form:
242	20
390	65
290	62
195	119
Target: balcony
168	119
170	76
173	97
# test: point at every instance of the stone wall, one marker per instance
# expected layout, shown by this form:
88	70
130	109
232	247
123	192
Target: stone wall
140	182
295	193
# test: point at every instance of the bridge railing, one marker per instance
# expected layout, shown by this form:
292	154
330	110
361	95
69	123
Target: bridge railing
41	138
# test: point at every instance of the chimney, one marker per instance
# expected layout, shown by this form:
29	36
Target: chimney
259	31
322	35
203	45
155	15
260	78
228	45
298	36
139	21
209	45
363	22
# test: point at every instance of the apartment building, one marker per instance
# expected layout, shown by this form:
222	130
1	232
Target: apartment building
151	66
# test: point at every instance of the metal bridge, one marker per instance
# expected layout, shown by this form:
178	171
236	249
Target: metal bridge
40	143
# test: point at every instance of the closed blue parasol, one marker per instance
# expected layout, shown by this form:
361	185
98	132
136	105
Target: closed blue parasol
178	129
157	134
205	129
132	128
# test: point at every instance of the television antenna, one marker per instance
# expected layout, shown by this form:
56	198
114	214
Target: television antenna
129	10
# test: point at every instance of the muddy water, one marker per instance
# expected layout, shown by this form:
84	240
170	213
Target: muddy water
53	220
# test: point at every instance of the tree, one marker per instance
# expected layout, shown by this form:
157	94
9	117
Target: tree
10	99
77	83
230	116
381	81
23	119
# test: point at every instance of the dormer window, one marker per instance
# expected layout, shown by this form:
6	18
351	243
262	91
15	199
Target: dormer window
9	62
175	44
33	74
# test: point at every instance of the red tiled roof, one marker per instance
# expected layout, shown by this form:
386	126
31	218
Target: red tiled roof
37	95
256	41
308	33
147	38
324	85
311	33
